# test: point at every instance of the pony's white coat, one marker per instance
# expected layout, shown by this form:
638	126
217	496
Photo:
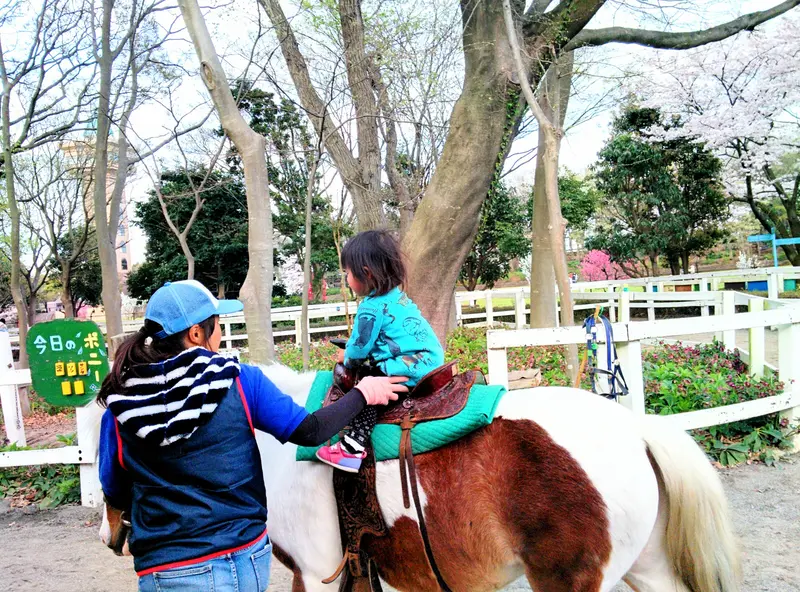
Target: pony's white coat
608	442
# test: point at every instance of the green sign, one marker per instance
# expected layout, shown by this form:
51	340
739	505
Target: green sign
68	361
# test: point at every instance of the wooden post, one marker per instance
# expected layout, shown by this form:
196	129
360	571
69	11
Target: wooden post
519	309
88	419
789	373
228	340
624	307
729	308
487	295
756	343
773	290
9	393
497	362
704	292
630	358
651	308
611	305
298	330
459	311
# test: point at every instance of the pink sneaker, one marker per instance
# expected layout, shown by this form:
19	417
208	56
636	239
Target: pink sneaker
336	456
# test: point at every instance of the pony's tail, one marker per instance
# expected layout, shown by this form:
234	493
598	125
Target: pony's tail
699	536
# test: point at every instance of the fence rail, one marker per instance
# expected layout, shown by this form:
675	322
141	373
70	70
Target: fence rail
630	336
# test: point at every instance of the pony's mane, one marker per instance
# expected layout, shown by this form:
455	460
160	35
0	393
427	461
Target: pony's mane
290	382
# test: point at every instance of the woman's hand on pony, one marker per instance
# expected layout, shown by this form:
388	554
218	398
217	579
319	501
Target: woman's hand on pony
380	390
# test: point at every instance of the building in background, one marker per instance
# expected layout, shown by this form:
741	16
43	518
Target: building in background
81	152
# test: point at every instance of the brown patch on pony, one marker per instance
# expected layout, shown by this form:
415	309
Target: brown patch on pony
551	524
288	561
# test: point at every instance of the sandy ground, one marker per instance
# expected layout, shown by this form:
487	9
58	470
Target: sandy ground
59	549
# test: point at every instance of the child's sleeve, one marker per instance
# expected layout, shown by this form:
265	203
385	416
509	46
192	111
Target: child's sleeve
115	480
366	328
270	410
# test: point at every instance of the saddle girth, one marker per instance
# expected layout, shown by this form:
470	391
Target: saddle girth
440	394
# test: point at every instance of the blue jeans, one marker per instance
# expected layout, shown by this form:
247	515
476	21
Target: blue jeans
243	571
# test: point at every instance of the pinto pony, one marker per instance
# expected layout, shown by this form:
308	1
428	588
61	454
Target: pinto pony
564	487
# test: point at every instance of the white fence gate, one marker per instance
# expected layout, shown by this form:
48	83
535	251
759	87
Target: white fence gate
630	336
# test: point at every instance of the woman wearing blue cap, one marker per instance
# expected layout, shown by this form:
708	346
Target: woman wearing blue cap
178	449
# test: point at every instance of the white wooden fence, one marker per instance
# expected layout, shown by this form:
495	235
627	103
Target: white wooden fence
630	336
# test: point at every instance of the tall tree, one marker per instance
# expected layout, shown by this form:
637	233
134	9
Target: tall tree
660	197
217	237
737	98
45	78
257	289
500	239
490	108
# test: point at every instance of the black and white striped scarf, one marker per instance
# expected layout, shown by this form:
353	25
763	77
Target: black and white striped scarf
169	400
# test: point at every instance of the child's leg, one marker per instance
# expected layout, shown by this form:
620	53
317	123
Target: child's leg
356	438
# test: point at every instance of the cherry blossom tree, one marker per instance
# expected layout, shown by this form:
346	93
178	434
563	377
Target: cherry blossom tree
597	265
740	98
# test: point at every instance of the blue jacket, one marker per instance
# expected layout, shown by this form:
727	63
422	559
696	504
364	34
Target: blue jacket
203	495
391	330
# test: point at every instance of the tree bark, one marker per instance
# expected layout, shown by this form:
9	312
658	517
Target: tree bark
256	292
305	337
553	99
354	172
552	138
66	290
106	232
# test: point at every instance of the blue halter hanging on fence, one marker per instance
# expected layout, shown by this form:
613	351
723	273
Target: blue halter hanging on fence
616	380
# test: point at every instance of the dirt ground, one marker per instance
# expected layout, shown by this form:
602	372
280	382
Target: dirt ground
59	549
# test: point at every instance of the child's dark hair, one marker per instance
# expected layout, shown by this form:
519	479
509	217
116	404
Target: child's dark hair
379	252
135	351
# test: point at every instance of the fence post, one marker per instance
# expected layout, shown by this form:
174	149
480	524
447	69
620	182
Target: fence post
228	340
298	330
755	340
497	363
651	308
772	284
519	309
704	292
611	305
789	373
88	419
459	311
487	295
729	308
630	358
624	307
9	393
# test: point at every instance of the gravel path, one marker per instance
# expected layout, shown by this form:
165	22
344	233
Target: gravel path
59	549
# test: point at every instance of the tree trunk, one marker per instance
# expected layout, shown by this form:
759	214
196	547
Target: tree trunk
685	260
358	177
17	292
446	221
106	233
256	292
66	291
553	99
552	138
304	330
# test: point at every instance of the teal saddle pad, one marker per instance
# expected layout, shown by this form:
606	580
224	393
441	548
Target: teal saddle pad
478	412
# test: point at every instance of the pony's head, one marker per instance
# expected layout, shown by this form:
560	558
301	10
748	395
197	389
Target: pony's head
115	529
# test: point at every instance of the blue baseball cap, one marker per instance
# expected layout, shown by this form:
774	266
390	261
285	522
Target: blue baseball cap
176	306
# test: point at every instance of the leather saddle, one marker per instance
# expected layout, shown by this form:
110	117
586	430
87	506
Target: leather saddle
440	394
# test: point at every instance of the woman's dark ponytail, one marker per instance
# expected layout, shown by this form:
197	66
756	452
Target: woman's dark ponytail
142	348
